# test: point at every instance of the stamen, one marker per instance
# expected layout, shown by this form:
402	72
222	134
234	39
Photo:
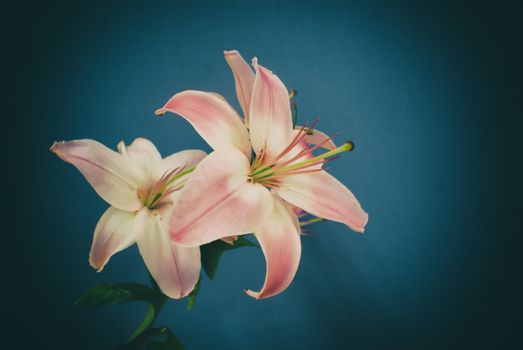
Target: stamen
346	147
298	172
292	172
311	221
259	171
162	187
302	153
270	172
297	139
179	175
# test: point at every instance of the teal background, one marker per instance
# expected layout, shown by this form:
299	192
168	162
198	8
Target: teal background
426	90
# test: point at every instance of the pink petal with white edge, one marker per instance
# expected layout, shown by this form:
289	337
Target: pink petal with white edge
270	119
244	79
112	176
114	232
316	137
279	238
212	117
218	201
320	194
176	269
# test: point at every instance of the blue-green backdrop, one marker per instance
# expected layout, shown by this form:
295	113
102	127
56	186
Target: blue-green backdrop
422	88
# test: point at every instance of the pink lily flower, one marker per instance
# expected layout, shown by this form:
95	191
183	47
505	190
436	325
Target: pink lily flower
141	188
237	195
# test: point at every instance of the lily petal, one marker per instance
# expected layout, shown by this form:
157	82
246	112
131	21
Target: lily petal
315	137
244	79
114	232
212	117
279	238
176	269
113	177
218	201
144	153
270	119
320	194
183	159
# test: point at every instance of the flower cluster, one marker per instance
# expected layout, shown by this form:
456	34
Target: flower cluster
262	174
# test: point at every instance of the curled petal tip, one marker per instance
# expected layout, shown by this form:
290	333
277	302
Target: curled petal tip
55	148
160	112
361	228
364	223
95	266
55	145
251	293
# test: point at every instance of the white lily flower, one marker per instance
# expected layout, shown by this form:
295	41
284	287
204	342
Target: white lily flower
141	188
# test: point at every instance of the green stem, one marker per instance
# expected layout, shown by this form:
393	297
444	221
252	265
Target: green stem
153	311
295	116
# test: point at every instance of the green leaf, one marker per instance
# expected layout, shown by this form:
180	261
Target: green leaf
109	294
150	315
191	298
141	333
212	252
163	339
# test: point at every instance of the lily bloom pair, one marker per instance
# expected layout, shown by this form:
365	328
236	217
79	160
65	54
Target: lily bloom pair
169	210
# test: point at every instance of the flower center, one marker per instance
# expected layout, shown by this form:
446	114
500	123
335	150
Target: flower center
270	172
153	195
